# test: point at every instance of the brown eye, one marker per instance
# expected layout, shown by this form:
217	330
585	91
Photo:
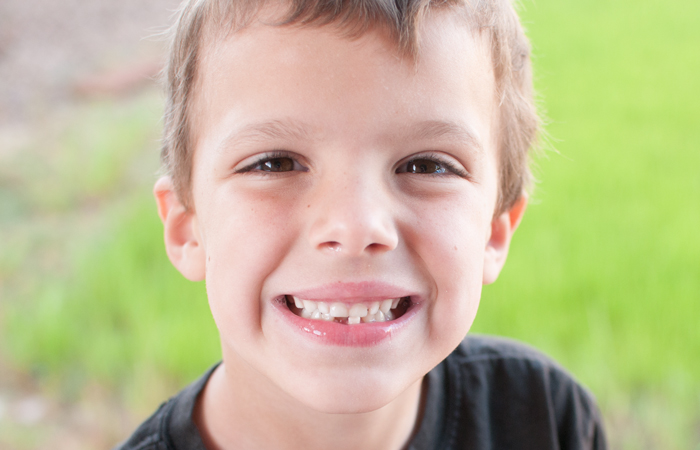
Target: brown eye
277	165
424	166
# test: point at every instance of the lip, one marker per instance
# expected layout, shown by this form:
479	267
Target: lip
365	291
332	333
359	335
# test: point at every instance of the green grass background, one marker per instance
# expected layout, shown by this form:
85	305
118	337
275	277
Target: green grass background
604	273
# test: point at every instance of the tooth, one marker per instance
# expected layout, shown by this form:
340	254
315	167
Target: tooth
339	310
369	318
323	307
316	314
352	320
395	303
326	317
305	313
358	310
386	306
389	315
380	317
373	307
308	304
298	303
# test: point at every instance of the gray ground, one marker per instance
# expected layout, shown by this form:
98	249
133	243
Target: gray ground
53	56
47	47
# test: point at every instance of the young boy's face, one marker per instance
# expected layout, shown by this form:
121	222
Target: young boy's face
335	170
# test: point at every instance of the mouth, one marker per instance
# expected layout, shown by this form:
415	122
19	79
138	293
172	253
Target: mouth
355	313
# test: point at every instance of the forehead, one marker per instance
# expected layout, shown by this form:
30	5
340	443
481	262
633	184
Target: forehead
361	88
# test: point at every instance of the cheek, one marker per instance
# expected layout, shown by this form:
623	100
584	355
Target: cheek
451	244
248	237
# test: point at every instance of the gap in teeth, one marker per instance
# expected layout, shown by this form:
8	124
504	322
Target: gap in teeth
350	314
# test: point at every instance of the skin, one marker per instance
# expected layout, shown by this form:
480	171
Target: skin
351	120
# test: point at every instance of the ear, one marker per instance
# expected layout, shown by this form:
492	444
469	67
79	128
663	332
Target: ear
502	229
183	242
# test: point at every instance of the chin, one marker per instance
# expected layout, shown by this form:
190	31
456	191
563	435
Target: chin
348	402
348	395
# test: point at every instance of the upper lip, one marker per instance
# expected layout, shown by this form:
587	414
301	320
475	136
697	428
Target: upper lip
352	292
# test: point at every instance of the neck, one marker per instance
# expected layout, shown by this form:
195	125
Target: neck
233	413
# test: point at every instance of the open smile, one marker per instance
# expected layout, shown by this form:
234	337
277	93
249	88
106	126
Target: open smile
352	313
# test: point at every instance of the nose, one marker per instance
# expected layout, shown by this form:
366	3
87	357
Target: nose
353	218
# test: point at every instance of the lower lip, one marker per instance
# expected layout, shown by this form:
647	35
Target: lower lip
333	333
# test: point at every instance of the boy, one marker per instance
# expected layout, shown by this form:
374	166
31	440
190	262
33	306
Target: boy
345	175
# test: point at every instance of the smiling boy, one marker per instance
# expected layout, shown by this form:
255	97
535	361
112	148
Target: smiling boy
345	176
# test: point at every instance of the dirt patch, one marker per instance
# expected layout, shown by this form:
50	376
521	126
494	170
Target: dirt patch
56	57
49	47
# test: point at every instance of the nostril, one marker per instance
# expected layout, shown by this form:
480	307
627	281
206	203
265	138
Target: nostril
331	245
375	247
336	246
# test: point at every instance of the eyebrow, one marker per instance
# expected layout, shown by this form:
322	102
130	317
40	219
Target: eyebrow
443	129
288	129
275	129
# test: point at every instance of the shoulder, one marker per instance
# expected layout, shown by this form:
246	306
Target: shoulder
514	365
477	347
171	427
507	358
517	393
150	434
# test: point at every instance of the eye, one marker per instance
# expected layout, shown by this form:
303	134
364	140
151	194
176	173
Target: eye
277	165
277	162
431	165
423	165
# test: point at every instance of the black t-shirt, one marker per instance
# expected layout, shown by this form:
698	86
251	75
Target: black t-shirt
490	393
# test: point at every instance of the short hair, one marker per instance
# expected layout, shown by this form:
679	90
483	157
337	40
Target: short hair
510	55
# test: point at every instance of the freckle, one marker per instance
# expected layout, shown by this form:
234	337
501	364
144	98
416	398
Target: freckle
208	258
455	247
308	206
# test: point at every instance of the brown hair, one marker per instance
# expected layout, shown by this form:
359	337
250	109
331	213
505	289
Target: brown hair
510	53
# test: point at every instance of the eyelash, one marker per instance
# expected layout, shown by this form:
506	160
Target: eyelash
453	170
277	154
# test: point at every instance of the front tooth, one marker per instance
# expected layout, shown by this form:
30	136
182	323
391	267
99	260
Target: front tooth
380	317
305	313
316	314
323	307
308	304
298	303
352	320
369	318
339	310
386	305
373	307
326	317
358	310
395	303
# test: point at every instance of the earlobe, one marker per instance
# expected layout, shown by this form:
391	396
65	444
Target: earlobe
502	229
183	242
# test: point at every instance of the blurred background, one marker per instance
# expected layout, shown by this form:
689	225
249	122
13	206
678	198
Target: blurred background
96	327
